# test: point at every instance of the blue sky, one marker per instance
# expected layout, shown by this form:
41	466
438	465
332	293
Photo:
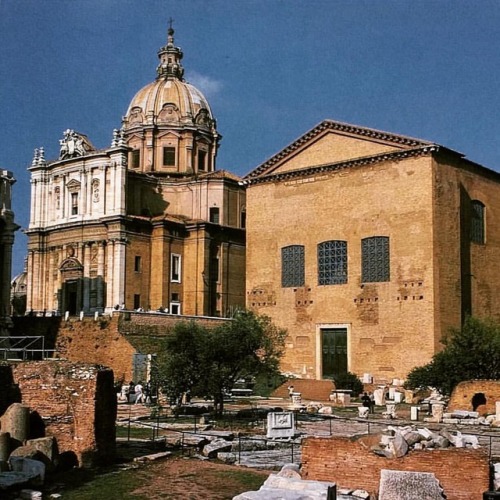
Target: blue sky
271	70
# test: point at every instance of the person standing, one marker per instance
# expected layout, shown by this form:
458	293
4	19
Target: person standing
139	394
131	392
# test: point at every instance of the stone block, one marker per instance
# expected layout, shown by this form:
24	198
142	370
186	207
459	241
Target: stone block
211	449
280	425
403	485
34	469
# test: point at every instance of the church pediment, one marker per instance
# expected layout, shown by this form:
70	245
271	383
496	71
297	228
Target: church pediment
334	142
168	133
73	185
70	264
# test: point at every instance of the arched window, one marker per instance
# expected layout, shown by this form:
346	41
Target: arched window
375	259
292	266
332	262
477	229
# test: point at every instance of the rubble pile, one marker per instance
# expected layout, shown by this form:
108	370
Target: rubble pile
288	484
464	417
398	441
23	461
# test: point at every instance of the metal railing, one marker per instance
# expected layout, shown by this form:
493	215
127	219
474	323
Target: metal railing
25	348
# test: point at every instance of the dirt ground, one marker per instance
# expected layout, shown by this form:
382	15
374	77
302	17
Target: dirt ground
192	479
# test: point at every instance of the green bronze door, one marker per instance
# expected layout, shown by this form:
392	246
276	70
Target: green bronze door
334	351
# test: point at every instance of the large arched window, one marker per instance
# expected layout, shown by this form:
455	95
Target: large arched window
292	266
332	262
477	229
375	259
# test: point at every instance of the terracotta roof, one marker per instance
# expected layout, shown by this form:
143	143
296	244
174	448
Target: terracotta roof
220	174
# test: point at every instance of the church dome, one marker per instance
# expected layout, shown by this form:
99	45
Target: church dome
19	283
169	100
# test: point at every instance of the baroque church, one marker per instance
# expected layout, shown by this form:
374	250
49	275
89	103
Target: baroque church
148	223
368	247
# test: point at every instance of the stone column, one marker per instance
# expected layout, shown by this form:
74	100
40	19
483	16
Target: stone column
16	421
100	274
86	276
110	277
119	272
50	281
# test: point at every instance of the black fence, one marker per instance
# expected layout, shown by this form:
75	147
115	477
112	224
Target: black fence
255	420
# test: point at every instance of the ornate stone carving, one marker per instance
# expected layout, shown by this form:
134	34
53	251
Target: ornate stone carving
74	144
95	190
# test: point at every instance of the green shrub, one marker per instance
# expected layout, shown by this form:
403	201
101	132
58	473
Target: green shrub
470	353
349	381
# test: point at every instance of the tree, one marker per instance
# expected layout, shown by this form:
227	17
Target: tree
470	353
208	362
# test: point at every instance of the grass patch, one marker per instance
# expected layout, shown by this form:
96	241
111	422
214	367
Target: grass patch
85	485
248	480
134	432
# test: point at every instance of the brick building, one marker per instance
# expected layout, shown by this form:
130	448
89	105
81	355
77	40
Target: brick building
147	223
368	246
7	230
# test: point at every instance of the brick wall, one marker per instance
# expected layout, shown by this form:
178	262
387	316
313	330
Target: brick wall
383	319
462	473
463	392
110	341
98	342
76	402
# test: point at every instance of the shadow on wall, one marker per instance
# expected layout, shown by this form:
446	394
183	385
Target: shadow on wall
10	392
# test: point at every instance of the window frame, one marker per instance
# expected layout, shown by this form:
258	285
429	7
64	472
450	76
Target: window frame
333	271
202	160
214	215
175	268
169	158
478	222
135	158
138	264
74	203
376	267
293	266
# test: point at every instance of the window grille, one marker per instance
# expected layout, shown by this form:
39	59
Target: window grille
332	262
477	233
375	259
292	266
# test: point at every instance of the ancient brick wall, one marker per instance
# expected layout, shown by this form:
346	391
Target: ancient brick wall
109	341
462	473
462	395
75	401
156	324
97	342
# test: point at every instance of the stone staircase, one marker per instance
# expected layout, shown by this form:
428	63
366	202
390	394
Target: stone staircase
311	390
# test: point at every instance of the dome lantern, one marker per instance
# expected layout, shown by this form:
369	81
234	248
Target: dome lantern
170	58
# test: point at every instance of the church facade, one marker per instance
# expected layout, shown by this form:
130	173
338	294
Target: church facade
368	247
148	223
7	230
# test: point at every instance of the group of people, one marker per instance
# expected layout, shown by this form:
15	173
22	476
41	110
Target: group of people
136	393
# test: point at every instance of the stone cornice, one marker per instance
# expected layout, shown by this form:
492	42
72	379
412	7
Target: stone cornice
400	140
331	167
